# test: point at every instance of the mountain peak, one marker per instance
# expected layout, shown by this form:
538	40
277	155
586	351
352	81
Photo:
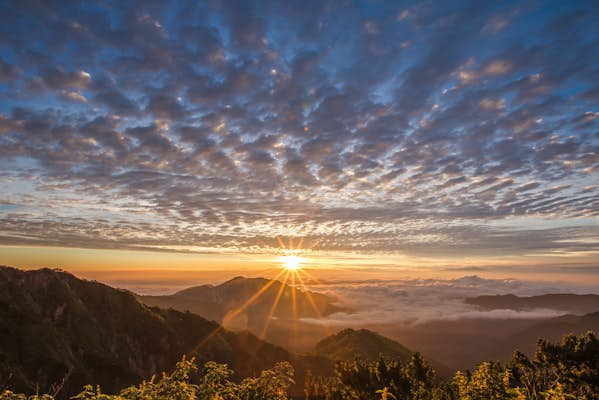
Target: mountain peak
252	299
349	343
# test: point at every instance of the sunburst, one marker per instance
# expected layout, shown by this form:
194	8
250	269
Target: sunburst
291	262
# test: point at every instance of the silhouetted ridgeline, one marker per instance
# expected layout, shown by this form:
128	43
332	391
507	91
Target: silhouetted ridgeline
58	332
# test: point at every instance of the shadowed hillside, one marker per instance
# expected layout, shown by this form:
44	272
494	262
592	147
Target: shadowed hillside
364	344
367	345
58	332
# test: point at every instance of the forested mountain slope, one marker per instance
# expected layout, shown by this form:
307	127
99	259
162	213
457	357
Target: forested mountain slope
58	332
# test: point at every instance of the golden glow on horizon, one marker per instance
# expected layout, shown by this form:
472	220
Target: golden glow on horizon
108	264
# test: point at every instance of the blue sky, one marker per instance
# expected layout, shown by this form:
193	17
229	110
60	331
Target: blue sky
462	132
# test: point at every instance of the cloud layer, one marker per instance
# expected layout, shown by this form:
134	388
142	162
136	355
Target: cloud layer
415	301
426	129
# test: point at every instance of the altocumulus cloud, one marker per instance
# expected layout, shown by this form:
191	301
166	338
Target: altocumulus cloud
407	128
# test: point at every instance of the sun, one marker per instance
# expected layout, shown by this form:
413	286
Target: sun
291	263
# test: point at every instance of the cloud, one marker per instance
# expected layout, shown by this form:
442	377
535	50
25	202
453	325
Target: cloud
115	101
416	301
492	104
163	106
58	78
73	96
171	121
8	71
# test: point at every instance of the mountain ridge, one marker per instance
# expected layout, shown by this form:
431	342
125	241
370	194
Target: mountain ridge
569	302
367	345
238	299
57	330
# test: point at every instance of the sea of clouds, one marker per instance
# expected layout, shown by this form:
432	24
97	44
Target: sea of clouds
387	301
412	301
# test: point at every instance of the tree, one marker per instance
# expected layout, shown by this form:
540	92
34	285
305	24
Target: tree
488	381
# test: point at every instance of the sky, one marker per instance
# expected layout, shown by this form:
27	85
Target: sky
365	135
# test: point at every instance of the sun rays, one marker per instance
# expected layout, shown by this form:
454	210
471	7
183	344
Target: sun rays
293	277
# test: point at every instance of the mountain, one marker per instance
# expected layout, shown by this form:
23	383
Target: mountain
552	329
247	302
572	303
364	344
58	332
465	342
348	344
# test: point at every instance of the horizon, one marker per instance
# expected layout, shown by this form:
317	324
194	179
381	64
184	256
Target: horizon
168	281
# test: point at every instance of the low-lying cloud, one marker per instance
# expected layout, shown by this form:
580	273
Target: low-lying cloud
413	301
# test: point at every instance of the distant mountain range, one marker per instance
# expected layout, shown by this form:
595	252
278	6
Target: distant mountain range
58	332
572	303
248	302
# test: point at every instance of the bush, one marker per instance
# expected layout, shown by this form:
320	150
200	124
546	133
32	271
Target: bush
566	370
215	384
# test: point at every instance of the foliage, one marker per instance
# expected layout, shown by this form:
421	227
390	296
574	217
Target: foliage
360	379
215	384
488	381
566	370
558	371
